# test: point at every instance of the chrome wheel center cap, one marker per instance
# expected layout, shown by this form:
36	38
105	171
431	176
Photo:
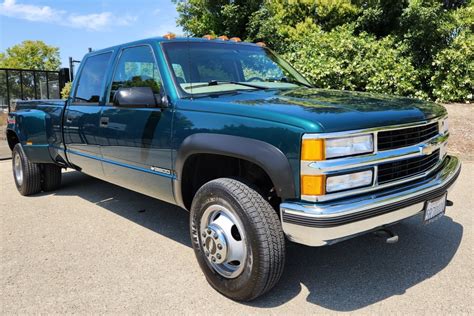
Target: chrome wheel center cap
214	244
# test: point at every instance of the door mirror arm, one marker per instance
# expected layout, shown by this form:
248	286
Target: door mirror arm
164	101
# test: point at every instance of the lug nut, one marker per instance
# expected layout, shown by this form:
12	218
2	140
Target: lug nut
208	231
215	236
219	246
213	259
207	253
203	234
218	256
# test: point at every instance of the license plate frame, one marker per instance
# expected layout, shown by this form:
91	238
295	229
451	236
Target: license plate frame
434	208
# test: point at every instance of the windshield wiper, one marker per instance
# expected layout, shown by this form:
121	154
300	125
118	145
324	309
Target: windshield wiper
216	82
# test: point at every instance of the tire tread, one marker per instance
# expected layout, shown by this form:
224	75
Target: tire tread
268	229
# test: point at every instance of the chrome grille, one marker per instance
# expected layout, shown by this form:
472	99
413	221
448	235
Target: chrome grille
400	169
404	137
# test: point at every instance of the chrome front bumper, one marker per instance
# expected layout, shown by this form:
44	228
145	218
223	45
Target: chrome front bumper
319	224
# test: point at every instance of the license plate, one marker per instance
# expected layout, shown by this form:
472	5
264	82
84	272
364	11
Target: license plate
435	208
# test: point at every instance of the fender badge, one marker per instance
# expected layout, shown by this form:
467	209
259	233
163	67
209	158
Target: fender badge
160	170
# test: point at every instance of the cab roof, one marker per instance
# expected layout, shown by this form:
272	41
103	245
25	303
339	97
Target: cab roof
162	39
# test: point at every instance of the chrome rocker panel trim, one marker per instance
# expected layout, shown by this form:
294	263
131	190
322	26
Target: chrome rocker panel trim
319	224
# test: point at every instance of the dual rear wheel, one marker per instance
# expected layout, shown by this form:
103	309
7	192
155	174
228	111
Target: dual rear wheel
31	178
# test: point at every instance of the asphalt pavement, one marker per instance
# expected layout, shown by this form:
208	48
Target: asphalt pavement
92	247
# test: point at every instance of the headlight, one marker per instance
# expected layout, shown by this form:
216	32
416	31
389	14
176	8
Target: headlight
348	146
320	149
349	181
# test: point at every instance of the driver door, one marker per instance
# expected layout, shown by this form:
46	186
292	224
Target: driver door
135	140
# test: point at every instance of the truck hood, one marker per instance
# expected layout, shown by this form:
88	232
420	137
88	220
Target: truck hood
318	110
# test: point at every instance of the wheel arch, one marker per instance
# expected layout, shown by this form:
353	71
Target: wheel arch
264	155
12	138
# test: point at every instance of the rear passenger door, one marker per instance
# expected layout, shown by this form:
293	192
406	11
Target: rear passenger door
81	120
135	139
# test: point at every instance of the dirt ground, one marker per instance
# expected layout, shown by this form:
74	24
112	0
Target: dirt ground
461	128
3	125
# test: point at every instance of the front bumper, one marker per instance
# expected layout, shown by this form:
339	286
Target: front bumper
319	224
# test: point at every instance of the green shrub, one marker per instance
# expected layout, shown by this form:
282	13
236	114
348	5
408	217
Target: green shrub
341	60
453	67
66	90
453	78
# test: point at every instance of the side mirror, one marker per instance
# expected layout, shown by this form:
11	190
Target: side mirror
135	97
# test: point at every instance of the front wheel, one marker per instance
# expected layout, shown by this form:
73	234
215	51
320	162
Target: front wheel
237	238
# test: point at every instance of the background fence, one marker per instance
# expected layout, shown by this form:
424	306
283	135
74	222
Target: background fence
22	84
25	84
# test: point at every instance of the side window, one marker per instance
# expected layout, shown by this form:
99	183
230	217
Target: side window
136	68
91	79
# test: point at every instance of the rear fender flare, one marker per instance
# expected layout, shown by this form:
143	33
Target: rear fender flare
30	127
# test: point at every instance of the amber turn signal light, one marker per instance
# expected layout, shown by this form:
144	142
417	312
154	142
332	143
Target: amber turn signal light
312	149
169	36
313	184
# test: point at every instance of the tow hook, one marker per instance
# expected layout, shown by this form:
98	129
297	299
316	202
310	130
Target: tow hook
449	203
389	236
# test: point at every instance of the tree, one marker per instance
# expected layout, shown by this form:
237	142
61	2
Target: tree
31	55
418	48
218	17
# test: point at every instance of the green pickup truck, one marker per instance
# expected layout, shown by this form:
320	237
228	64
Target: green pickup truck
231	132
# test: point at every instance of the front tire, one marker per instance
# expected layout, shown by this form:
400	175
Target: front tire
27	175
237	238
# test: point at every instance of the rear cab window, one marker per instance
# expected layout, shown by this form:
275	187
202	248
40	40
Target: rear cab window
91	79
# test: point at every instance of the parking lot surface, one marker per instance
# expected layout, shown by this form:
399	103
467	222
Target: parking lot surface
92	247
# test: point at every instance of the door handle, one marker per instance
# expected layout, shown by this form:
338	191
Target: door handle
104	121
68	120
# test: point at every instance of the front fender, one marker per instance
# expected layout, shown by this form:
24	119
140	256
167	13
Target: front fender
266	156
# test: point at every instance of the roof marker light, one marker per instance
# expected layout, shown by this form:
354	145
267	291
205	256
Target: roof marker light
223	38
169	36
209	37
235	39
261	44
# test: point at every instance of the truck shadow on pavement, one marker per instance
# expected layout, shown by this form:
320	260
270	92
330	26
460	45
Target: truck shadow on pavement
343	277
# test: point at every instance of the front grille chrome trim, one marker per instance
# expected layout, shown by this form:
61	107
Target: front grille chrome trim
350	164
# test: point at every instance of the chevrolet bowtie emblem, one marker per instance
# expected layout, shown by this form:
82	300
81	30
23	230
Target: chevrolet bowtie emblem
427	149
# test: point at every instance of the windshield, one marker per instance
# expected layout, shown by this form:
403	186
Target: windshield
205	68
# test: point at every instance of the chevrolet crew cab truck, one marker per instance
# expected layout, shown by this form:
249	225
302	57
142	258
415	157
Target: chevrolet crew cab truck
231	132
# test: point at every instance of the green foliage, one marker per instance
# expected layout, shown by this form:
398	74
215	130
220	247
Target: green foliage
218	17
453	67
417	48
341	60
66	90
31	55
380	17
276	19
